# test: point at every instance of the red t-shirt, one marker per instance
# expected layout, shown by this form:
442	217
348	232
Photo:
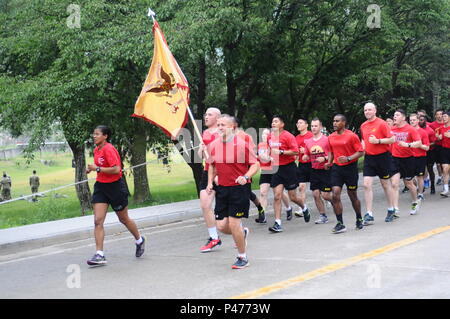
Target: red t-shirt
264	149
231	159
431	135
317	148
435	126
378	128
406	134
445	140
207	138
418	152
301	143
107	156
286	142
346	144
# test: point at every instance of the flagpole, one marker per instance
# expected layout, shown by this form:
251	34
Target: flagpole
152	14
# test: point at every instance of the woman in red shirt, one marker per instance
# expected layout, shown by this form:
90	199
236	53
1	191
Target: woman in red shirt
109	189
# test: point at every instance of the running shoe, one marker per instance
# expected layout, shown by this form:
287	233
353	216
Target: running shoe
396	213
414	208
390	216
97	260
426	183
298	213
359	223
240	263
445	193
210	244
420	197
306	215
140	248
339	228
323	219
261	218
439	181
289	214
368	220
276	228
405	190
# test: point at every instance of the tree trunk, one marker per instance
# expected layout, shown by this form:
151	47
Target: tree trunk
138	156
82	189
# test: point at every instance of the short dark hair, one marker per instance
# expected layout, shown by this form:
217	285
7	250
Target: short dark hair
105	131
401	111
302	119
316	119
34	172
280	117
343	117
438	110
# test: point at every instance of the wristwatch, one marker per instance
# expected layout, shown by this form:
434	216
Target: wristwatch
348	159
281	152
97	169
246	177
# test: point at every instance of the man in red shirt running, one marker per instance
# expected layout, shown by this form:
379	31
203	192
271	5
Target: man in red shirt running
283	149
438	122
420	154
443	135
304	167
376	136
234	163
406	139
345	149
431	156
206	199
316	150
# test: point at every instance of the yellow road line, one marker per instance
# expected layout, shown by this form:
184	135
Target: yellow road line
337	266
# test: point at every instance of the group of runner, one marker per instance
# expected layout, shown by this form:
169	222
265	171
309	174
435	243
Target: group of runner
392	152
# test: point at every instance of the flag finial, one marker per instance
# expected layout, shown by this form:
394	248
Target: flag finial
151	13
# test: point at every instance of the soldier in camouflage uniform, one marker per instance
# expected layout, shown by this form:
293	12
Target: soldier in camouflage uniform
34	183
5	184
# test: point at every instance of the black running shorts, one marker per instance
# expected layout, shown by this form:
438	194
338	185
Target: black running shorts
114	194
347	175
321	180
406	166
204	182
232	201
421	164
377	165
286	175
304	172
445	155
265	178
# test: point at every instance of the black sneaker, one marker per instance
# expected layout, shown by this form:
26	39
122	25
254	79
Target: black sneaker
359	223
97	260
306	215
405	190
339	228
240	263
140	248
276	228
289	214
261	218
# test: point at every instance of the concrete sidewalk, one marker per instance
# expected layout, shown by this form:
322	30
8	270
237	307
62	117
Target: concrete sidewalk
65	230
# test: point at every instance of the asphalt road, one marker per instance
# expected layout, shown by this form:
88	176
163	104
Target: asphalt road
305	261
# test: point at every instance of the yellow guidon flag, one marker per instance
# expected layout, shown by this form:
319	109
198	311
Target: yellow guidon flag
164	98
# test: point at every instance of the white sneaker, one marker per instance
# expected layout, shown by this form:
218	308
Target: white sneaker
323	219
298	213
445	193
414	208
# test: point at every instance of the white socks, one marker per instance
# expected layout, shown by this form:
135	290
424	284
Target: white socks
213	233
278	221
139	241
100	252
